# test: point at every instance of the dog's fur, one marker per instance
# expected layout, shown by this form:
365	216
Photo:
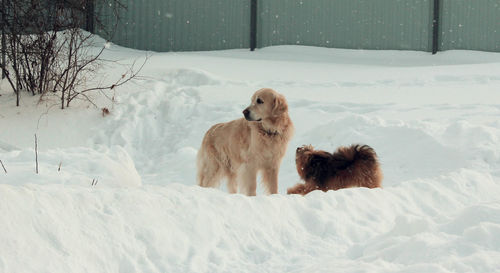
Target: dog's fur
238	150
353	166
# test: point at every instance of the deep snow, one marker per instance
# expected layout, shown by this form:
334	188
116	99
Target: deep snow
433	121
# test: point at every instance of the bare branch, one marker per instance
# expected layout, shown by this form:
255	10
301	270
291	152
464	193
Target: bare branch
5	170
36	154
120	81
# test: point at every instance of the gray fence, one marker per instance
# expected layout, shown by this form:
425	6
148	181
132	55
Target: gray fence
360	24
187	25
381	24
181	25
470	24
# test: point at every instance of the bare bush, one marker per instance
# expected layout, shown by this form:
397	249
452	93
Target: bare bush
47	50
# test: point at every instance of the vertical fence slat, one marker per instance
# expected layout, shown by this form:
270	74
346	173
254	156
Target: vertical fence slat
253	25
90	15
4	44
435	27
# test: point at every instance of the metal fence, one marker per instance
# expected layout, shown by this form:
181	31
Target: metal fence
182	25
358	24
186	25
470	24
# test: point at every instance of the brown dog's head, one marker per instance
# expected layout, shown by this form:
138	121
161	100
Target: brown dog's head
266	103
312	165
302	156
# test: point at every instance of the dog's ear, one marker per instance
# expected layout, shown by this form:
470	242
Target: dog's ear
280	105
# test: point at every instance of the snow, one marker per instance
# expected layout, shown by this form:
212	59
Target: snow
433	120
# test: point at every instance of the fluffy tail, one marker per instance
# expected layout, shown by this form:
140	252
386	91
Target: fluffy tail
357	165
345	157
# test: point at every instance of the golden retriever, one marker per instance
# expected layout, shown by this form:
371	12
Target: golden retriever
238	150
353	166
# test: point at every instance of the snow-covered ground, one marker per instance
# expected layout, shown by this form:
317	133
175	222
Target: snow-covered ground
433	120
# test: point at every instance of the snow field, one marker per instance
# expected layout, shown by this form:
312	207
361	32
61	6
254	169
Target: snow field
433	121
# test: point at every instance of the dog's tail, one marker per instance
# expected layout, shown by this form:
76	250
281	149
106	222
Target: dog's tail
358	161
346	157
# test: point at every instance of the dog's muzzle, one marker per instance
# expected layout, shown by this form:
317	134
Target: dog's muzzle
246	113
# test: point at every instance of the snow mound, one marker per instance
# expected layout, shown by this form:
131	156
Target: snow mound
190	77
112	167
189	229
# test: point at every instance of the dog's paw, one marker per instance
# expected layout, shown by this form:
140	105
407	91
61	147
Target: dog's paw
297	189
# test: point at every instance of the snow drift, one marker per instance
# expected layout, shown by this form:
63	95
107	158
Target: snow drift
433	121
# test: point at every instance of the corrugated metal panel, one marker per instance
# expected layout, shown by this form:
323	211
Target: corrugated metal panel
363	24
470	24
183	25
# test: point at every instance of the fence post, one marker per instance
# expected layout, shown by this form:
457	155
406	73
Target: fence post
4	43
253	25
435	28
90	8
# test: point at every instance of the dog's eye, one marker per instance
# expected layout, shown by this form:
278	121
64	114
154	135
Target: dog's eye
259	101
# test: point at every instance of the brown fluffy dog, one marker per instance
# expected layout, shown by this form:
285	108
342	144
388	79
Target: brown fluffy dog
353	166
238	150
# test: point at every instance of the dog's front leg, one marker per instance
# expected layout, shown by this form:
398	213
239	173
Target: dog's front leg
248	183
270	180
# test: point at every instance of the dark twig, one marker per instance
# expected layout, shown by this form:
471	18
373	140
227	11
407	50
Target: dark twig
5	170
36	153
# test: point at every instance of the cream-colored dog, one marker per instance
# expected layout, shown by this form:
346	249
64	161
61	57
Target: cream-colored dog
238	150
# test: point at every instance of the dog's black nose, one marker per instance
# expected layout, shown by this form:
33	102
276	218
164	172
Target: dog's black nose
246	113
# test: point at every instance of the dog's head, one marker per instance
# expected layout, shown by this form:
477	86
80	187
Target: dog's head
302	156
312	165
266	103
